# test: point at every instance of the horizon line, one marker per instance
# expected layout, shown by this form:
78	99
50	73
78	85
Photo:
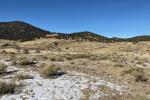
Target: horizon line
26	22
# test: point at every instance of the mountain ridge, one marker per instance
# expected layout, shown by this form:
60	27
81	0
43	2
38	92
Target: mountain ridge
18	30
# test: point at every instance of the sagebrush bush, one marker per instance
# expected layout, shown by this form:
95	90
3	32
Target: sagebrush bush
60	59
10	58
57	59
25	51
4	52
7	87
37	51
23	76
118	65
140	78
69	58
50	70
138	74
14	62
3	67
134	71
44	57
81	56
53	59
25	61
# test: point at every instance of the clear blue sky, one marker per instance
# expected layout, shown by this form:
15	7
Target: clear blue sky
122	18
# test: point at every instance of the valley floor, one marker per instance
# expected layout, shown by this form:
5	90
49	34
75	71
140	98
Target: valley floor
87	70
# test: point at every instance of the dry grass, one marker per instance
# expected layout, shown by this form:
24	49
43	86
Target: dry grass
105	60
57	59
7	87
23	77
49	70
3	68
24	61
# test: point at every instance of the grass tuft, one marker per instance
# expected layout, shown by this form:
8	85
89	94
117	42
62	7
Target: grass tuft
3	68
7	87
50	70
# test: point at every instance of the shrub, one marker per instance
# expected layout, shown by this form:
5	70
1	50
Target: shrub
96	58
55	43
10	58
2	68
4	52
69	58
37	51
25	51
18	49
53	59
140	78
7	87
50	70
134	71
67	48
138	74
44	57
23	76
25	61
93	58
13	53
82	56
60	60
118	65
135	41
57	59
14	61
72	63
84	63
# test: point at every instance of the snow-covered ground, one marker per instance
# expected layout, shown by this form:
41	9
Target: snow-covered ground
65	87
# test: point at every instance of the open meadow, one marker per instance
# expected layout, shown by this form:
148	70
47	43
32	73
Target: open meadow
58	69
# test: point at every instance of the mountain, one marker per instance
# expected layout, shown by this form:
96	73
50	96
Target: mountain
88	36
85	35
18	30
140	38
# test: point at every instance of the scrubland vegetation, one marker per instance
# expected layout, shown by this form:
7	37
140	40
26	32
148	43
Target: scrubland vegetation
7	87
121	63
2	68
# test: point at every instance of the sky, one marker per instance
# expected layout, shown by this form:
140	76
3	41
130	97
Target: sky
111	18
